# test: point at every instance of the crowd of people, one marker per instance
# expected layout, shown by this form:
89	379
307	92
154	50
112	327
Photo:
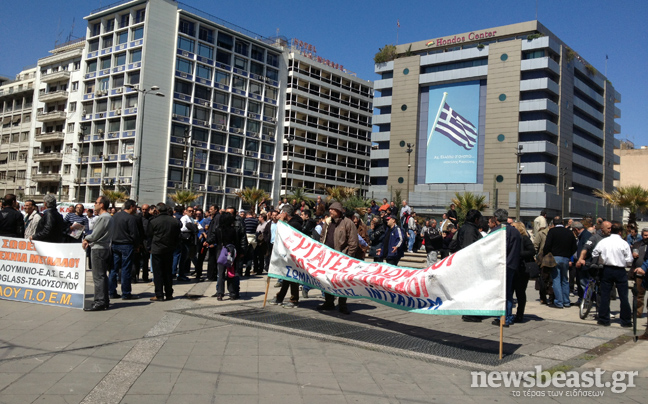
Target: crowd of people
126	245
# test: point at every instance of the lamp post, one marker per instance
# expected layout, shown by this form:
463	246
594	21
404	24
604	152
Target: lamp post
140	138
565	188
518	154
187	136
290	138
409	150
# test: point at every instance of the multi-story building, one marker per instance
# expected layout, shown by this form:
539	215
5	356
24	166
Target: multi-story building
56	132
327	125
210	120
16	105
472	104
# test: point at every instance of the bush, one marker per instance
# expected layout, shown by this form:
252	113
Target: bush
385	54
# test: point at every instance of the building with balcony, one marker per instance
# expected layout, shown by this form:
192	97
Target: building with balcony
55	144
16	120
472	104
175	98
327	125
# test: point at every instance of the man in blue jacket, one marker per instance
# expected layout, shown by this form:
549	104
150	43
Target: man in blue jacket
392	248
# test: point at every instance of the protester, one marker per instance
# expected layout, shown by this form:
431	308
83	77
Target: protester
513	241
101	255
393	247
561	243
126	236
164	232
521	276
225	239
77	223
32	218
289	216
433	242
639	255
51	228
12	223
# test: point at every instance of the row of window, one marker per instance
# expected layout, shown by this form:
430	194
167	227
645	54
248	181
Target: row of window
222	139
119	38
104	83
207	72
117	59
122	21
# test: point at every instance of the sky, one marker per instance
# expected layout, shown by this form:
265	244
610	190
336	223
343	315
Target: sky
351	32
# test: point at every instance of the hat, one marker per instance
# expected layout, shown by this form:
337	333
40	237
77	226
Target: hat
337	206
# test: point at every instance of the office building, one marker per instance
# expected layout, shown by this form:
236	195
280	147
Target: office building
472	105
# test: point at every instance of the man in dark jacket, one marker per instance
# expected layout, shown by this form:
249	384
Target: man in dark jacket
126	236
51	227
513	249
466	235
213	226
562	244
433	242
241	236
288	215
12	223
164	232
376	235
392	249
582	273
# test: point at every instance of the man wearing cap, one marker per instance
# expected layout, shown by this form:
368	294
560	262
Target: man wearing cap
391	250
340	234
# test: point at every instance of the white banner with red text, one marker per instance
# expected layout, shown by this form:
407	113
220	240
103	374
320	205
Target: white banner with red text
469	282
40	272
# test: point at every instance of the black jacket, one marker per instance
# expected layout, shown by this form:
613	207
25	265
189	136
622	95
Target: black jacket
241	243
163	231
433	239
527	251
308	227
560	242
12	223
376	235
126	229
51	227
468	234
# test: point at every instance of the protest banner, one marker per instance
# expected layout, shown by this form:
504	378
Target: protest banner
40	272
469	282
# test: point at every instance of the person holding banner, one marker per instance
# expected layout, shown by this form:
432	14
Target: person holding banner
32	218
288	215
12	223
339	233
100	253
513	248
51	228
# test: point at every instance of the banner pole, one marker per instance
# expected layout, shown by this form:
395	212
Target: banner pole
501	347
265	298
445	95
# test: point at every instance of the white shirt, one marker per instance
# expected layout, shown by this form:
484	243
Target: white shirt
614	251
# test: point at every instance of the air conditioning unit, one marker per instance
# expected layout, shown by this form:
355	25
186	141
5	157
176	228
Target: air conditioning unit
272	120
218	167
97	93
218	188
254	134
206	103
101	115
119	90
185	53
105	92
183	75
238	130
174	115
271	134
206	123
106	158
100	131
200	187
249	153
255	173
236	170
118	111
221	127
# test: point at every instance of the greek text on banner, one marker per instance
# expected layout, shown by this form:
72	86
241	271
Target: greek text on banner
469	282
39	272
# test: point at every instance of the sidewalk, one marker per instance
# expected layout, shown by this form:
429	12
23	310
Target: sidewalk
195	349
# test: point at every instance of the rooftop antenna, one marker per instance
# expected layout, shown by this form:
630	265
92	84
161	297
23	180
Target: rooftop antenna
71	31
60	32
536	10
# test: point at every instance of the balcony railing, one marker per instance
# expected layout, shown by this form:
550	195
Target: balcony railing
60	95
55	76
49	136
50	116
46	177
48	157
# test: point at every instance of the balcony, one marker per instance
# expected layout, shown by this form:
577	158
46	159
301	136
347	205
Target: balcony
50	116
60	95
49	136
42	157
55	76
46	177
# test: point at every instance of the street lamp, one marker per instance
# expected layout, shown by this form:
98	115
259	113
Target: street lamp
290	138
138	159
565	188
519	181
409	150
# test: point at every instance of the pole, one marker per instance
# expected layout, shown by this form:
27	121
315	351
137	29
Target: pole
140	140
501	341
519	180
265	298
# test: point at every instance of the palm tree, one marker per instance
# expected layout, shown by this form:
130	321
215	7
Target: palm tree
184	196
114	195
358	204
253	196
467	201
632	197
340	194
299	194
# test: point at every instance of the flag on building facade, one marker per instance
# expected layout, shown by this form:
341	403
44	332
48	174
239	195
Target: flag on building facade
456	128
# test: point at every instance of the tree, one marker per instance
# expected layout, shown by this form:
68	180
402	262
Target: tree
632	197
340	194
385	54
357	203
467	201
114	195
253	196
299	194
398	201
184	196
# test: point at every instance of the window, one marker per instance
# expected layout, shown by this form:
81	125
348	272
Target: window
13	156
113	126
216	180
75	86
250	165
66	169
269	112
233	182
206	34
241	48
238	102
182	87
253	126
122	37
222	78
92	66
205	51
123	20
184	66
254	107
115	103
138	33
139	16
249	182
236	142
77	65
105	63
202	92
89	86
257	53
110	25
256	68
225	41
267	148
218	139
131	100
240	63
221	98
120	59
201	114
252	145
272	59
234	161
72	107
271	93
256	88
96	29
102	106
107	42
266	167
181	109
272	74
187	27
185	44
134	78
239	83
93	45
224	57
203	71
129	123
237	122
118	81
136	56
200	134
219	118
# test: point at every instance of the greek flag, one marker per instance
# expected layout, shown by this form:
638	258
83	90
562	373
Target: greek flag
456	128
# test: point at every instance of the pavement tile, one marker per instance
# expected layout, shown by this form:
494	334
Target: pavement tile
237	388
238	398
368	399
265	398
560	352
144	398
276	363
150	388
190	398
62	399
33	383
75	384
8	378
18	398
203	388
286	378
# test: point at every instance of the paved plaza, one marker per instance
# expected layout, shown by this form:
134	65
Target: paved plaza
195	349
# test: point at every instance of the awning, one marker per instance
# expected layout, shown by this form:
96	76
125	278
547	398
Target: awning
16	118
6	120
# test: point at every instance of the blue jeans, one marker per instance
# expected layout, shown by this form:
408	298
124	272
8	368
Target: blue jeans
176	260
412	239
560	277
122	261
509	296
